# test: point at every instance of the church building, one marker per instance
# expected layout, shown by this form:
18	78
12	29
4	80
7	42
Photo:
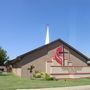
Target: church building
57	58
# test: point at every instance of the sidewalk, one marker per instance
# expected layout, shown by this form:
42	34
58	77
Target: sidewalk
87	87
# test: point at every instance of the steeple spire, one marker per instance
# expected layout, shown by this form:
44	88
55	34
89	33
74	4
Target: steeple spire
47	35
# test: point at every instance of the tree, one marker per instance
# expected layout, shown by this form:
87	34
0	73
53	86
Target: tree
3	56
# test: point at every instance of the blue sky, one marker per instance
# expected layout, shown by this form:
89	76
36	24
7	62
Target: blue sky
23	24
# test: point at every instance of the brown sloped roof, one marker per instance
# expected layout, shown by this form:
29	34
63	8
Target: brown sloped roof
58	40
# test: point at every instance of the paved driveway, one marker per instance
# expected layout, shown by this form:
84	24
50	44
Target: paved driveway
64	88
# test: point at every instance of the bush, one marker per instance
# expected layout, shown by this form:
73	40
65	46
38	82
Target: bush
37	75
48	77
42	75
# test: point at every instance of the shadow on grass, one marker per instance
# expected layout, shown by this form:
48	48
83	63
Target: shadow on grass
4	74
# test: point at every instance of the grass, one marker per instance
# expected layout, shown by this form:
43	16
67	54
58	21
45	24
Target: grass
11	82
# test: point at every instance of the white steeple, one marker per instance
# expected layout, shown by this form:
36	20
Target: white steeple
47	35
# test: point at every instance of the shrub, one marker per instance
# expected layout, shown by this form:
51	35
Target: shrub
48	77
37	74
42	75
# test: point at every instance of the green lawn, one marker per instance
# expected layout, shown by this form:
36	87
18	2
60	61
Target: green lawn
11	82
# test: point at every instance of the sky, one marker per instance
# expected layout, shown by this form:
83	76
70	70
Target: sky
23	24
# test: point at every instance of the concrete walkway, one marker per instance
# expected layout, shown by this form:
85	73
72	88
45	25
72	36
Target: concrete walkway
87	87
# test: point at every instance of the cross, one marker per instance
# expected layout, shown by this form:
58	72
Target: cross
63	55
31	68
